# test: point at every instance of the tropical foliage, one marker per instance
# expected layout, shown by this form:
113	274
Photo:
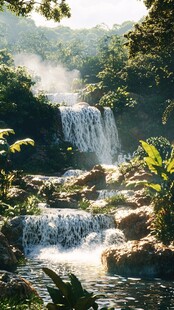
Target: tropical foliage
70	295
163	225
55	10
7	175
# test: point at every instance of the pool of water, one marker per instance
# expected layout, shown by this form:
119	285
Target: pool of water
119	292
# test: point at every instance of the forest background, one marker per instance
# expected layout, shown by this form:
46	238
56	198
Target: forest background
129	68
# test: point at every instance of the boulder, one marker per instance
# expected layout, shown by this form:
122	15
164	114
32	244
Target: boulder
17	195
134	223
144	258
140	198
13	230
114	178
7	258
95	177
63	203
12	285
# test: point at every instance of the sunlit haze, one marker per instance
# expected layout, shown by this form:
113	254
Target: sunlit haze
89	13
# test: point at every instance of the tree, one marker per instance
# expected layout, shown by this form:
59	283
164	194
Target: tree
155	37
156	32
113	56
51	9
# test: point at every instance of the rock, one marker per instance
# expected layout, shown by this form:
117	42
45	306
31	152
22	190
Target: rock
134	223
144	258
12	285
114	178
13	230
32	183
140	198
63	203
7	258
17	195
94	177
89	193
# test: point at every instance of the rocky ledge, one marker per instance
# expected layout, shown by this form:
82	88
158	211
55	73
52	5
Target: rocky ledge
12	285
143	258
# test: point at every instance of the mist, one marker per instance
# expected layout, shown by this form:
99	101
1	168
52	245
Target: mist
49	78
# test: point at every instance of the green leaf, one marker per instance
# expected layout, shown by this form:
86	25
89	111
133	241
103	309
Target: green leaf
3	153
170	166
152	152
151	163
76	286
6	132
51	306
134	184
62	286
156	187
56	296
86	302
17	145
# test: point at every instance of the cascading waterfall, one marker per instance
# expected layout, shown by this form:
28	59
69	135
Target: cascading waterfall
65	98
90	130
69	229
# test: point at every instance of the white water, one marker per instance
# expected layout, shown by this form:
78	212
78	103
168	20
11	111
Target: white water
69	236
90	131
63	98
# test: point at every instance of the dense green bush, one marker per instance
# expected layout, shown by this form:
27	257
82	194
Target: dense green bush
70	295
163	187
117	100
161	144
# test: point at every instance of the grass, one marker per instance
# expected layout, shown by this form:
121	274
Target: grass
116	200
29	304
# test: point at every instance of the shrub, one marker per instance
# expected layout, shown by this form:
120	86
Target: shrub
163	201
161	144
69	295
116	200
28	207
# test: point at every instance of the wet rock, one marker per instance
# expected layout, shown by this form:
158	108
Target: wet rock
94	177
134	223
12	285
144	258
17	195
33	183
142	198
136	173
114	178
7	258
63	203
13	230
89	193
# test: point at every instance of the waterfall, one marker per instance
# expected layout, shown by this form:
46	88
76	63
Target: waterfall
66	98
90	130
69	229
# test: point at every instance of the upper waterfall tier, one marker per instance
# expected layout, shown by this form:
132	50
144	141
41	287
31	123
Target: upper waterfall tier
90	130
68	99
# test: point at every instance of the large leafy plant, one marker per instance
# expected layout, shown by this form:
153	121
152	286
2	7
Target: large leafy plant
70	295
6	176
5	148
163	200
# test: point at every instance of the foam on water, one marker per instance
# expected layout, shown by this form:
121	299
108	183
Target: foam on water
64	235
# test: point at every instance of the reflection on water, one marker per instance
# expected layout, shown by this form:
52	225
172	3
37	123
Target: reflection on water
119	292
